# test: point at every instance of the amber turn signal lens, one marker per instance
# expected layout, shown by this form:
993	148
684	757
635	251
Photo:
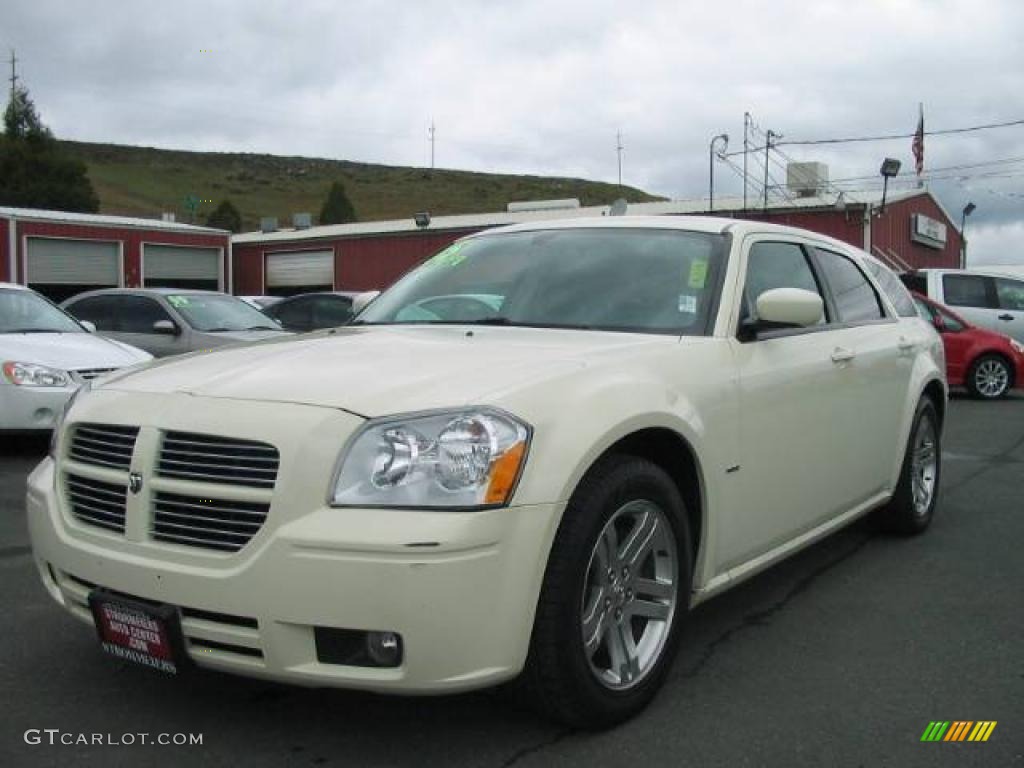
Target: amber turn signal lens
504	474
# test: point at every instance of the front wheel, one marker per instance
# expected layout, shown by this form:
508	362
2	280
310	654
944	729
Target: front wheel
990	377
912	506
615	591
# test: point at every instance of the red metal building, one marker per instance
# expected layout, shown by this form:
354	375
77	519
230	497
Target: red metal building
912	231
61	254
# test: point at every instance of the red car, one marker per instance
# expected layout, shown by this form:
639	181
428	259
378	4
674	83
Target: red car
989	364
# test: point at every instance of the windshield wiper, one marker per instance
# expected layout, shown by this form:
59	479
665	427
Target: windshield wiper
218	330
36	330
263	328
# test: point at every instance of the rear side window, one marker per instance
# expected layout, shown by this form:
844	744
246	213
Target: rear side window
967	291
915	282
855	299
331	311
98	310
1010	293
293	314
776	265
893	288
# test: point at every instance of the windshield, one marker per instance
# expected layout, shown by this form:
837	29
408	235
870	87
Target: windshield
643	280
28	312
216	312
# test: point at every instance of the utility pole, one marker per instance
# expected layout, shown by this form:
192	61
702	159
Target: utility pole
767	146
722	138
746	148
618	149
432	132
14	73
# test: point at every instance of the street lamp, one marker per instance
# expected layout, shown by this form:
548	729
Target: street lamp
967	211
724	138
890	167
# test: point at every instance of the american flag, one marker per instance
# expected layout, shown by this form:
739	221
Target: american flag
918	146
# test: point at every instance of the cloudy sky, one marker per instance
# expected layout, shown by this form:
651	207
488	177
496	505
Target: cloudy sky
541	86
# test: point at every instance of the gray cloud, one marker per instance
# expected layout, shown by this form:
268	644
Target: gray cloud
541	87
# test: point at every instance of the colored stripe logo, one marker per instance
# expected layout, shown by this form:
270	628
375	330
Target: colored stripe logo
958	730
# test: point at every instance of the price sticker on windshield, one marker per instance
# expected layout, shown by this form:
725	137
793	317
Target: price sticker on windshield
450	257
178	301
698	273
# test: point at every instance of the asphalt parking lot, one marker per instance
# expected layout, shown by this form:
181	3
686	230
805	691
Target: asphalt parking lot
838	657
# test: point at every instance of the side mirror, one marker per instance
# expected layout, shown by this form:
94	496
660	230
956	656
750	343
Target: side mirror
360	302
166	327
789	307
88	325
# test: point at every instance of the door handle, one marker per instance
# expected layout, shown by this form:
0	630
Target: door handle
906	346
842	355
1006	317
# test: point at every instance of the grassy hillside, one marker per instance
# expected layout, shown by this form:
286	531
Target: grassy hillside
141	181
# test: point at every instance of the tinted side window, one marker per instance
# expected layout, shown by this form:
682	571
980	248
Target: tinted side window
776	265
331	311
893	288
1011	294
949	322
98	310
915	282
136	314
294	315
854	297
967	291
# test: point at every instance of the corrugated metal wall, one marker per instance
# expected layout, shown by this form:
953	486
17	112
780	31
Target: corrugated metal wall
5	256
846	225
891	230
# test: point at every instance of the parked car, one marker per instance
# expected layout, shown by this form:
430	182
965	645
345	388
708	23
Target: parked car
170	321
45	354
660	408
988	299
988	364
260	302
313	311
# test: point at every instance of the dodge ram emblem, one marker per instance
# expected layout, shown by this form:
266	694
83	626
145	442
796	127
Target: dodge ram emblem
135	482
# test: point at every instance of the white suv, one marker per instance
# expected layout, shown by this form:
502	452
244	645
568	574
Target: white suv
620	418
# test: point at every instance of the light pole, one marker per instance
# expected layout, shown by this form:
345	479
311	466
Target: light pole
967	211
890	168
724	138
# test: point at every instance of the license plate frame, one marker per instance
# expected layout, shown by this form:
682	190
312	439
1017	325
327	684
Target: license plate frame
140	632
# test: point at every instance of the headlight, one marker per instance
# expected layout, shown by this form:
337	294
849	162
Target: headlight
58	423
32	375
1018	347
454	459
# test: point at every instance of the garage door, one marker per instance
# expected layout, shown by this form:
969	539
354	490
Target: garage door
175	266
294	272
60	268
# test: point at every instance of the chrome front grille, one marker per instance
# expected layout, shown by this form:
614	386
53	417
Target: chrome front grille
104	445
95	502
209	523
210	459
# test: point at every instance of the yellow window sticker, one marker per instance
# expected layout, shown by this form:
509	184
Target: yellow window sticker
698	273
450	257
178	301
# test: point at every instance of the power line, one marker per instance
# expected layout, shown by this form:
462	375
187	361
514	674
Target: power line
888	137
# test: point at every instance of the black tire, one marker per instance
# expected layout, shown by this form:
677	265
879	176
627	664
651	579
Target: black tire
903	515
990	377
558	679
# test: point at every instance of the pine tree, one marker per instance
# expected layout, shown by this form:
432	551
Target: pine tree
337	207
35	172
225	216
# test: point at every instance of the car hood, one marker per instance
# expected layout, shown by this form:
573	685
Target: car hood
373	371
69	351
246	335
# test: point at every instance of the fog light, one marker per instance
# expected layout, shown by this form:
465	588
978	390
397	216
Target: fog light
384	648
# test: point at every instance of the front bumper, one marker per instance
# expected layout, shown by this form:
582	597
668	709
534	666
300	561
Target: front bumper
460	588
31	408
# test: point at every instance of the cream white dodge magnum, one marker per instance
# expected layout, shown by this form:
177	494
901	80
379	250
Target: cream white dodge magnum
526	461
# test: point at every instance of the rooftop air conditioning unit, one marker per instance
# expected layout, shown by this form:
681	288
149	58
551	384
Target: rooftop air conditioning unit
807	179
302	220
268	224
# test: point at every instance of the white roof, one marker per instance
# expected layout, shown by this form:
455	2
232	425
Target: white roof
13	285
725	205
93	219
